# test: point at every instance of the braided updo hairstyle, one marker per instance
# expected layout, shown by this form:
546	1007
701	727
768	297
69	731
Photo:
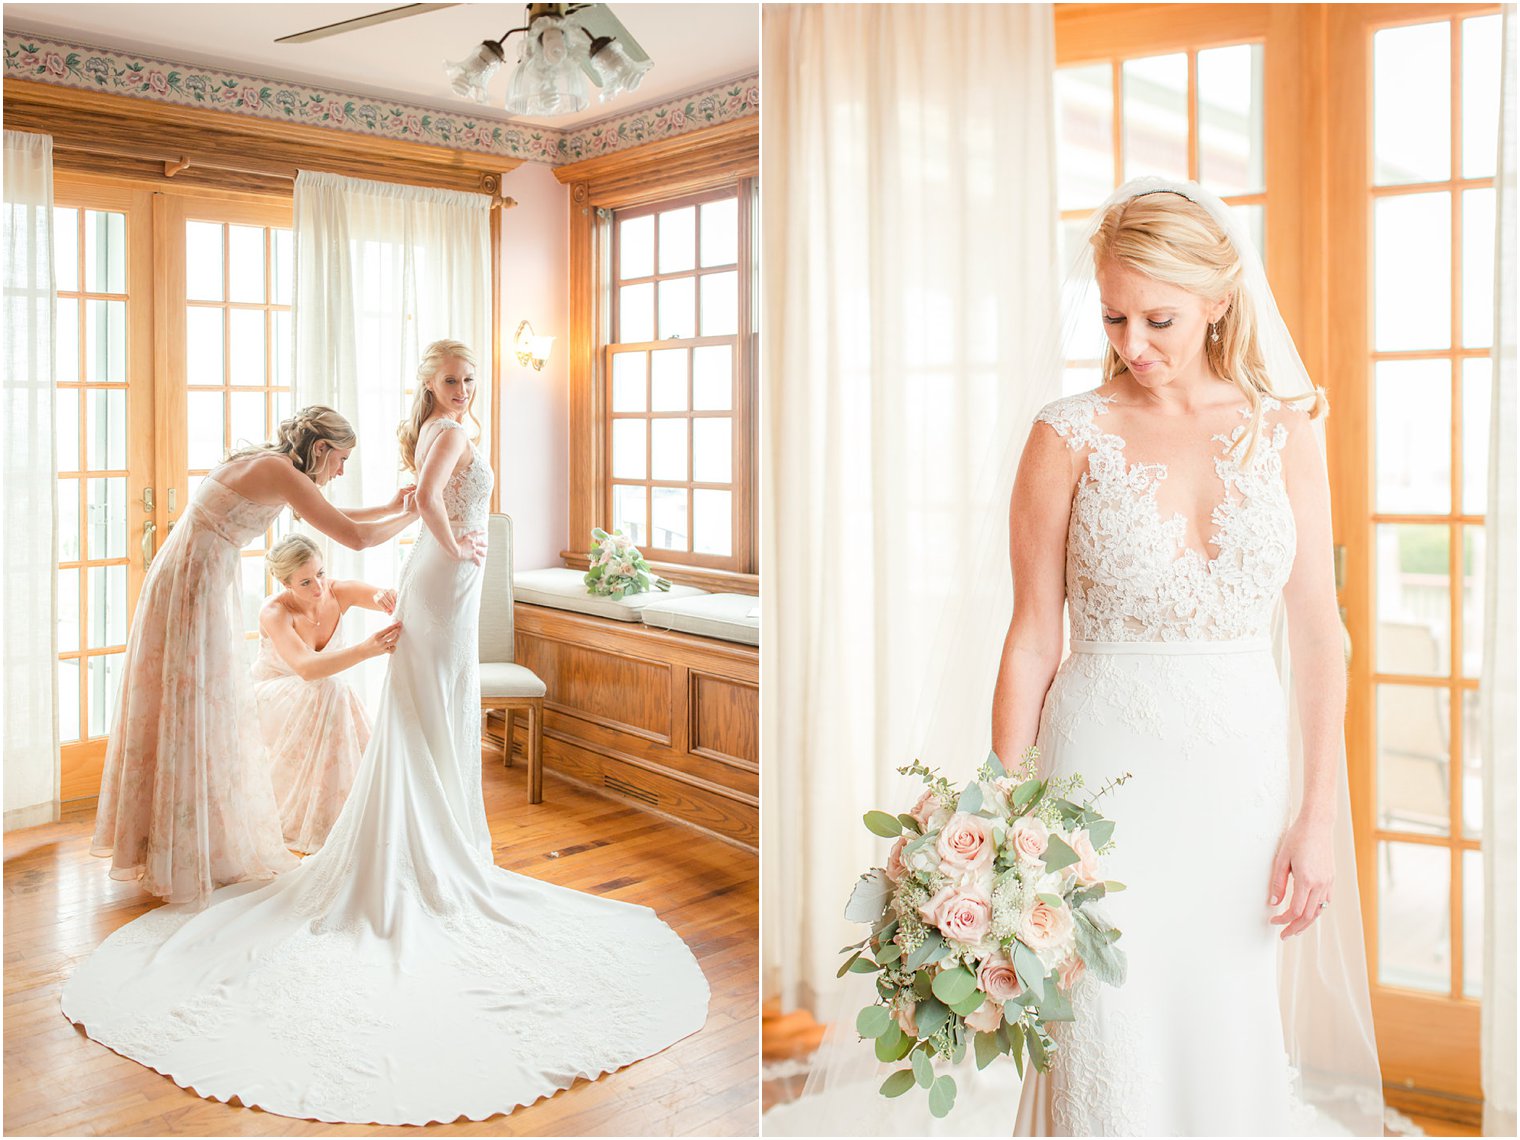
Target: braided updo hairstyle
298	436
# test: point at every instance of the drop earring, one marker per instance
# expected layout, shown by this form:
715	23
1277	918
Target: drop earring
1214	333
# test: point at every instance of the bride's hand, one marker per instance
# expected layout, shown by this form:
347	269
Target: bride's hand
472	547
1307	854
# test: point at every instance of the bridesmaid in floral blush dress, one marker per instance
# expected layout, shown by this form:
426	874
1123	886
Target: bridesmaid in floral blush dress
186	804
314	725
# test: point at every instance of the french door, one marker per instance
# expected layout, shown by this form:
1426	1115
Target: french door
173	344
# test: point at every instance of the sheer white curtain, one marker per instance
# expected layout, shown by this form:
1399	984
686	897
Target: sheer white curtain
382	271
910	269
1498	725
28	629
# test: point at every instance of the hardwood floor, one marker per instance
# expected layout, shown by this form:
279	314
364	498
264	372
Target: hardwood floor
60	904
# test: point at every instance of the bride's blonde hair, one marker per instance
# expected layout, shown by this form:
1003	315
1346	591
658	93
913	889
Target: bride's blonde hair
423	404
1169	237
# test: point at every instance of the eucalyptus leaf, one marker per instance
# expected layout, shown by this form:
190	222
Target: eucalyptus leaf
1027	965
1114	886
869	899
1069	811
971	798
930	944
1016	1046
885	931
996	765
1100	832
931	1016
1056	1006
882	824
863	966
1059	854
1050	900
889	953
942	1097
910	824
954	985
854	945
969	1004
1027	792
888	1044
923	1069
1088	894
1037	1052
849	964
923	984
873	1021
986	1046
898	1083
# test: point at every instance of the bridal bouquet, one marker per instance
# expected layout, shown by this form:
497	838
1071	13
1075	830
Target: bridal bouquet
617	567
980	921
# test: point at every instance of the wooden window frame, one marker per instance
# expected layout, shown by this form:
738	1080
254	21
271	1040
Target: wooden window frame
1316	140
703	160
743	538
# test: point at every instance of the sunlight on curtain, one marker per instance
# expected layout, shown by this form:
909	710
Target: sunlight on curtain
382	271
910	266
1498	725
28	630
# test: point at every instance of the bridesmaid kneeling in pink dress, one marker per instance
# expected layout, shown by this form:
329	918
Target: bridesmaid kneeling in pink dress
185	799
314	725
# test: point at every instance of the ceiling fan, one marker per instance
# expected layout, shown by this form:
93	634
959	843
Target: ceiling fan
562	46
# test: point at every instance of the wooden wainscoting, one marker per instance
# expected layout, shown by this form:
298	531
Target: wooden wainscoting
665	721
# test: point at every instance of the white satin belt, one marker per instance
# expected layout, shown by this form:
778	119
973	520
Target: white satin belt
1238	645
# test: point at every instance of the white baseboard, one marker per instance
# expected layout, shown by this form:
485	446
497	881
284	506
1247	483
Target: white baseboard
37	814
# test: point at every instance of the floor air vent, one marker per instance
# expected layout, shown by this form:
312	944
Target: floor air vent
632	791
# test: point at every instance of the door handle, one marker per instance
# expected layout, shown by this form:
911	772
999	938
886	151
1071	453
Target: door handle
149	529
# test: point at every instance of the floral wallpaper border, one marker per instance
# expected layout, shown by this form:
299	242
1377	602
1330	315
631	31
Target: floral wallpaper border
92	68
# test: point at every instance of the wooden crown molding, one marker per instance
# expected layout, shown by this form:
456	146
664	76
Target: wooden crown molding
181	140
713	156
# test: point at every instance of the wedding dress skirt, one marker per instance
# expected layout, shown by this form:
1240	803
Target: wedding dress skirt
1192	1044
398	976
185	800
314	732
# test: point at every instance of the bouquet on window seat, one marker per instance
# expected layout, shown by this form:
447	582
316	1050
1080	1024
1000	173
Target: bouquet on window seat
617	567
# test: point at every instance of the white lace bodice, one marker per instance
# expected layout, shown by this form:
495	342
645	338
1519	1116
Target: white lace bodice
1129	575
467	494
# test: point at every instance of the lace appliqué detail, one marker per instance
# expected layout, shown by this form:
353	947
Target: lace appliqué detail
1099	1081
1129	577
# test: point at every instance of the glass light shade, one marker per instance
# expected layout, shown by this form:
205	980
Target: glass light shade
616	70
542	86
469	77
539	348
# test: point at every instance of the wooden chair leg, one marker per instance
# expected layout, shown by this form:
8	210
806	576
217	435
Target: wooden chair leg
536	752
510	715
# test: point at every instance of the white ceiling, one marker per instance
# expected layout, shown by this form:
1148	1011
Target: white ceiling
692	45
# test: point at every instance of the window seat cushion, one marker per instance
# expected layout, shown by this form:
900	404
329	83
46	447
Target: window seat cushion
725	616
565	589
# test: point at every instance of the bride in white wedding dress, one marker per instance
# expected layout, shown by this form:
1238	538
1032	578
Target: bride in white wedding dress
1179	515
398	976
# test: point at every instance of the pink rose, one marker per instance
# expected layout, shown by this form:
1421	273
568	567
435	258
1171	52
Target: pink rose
965	844
413	125
1070	972
677	119
52	63
1088	870
906	1021
752	96
1029	837
997	978
1045	927
896	868
924	810
157	83
250	97
985	1018
963	914
335	112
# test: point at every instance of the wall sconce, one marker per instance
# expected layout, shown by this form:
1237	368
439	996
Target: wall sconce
531	350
